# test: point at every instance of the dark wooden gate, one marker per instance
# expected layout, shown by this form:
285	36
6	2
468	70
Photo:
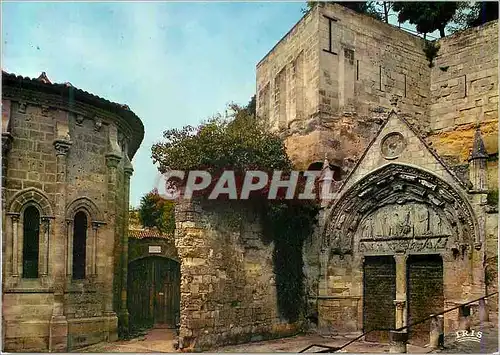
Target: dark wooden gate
425	293
379	293
154	292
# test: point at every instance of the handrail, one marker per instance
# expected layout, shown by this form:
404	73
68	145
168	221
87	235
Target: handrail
397	329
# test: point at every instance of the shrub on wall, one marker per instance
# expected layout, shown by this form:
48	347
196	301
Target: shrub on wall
156	211
240	142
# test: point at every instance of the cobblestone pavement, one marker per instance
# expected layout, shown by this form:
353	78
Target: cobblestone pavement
156	340
161	340
487	345
297	343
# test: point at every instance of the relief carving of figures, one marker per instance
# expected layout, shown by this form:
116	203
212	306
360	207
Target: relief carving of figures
405	203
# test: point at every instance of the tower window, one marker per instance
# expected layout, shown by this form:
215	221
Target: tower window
79	245
31	238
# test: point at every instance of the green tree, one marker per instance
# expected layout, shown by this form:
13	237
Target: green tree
238	142
369	8
472	14
155	211
426	16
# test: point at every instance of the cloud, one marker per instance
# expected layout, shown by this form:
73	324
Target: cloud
172	63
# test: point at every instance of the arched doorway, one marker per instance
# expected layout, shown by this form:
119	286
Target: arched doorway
394	245
154	292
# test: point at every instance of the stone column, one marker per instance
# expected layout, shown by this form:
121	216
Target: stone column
397	342
400	301
69	249
6	147
15	241
400	307
58	327
93	268
128	170
436	334
464	320
483	311
110	277
45	250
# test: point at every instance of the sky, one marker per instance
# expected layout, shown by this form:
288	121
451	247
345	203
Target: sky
172	63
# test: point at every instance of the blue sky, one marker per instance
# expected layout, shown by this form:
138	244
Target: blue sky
172	63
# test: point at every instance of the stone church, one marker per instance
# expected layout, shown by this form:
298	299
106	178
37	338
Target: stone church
65	188
413	144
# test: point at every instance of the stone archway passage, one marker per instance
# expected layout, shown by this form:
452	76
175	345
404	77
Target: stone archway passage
154	292
425	294
379	293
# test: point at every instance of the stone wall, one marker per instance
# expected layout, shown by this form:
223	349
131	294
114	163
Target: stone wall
359	66
288	77
62	156
228	292
464	92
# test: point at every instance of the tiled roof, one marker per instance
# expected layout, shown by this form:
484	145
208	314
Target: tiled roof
42	83
147	233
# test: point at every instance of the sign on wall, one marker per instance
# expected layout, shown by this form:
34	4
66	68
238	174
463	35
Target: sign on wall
154	249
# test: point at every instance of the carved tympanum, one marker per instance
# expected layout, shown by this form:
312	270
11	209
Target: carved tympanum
413	209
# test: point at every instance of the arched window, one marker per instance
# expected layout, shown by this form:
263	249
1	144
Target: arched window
79	245
31	239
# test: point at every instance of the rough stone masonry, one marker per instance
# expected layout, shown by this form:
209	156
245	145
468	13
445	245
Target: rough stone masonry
65	187
417	150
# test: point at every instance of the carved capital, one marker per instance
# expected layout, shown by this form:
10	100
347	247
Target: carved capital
128	169
45	110
22	107
97	123
79	119
112	160
14	216
97	224
62	146
6	142
400	304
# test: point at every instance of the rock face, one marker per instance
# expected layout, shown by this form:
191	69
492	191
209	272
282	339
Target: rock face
66	171
403	134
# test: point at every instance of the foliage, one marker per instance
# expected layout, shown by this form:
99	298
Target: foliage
363	7
239	143
251	108
492	197
133	217
426	16
289	225
472	14
431	49
155	211
242	143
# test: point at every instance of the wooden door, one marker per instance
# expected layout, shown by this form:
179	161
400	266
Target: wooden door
167	288
425	294
379	292
154	292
